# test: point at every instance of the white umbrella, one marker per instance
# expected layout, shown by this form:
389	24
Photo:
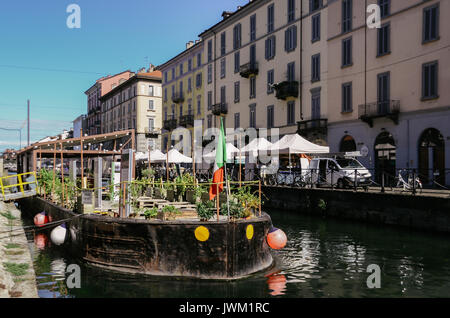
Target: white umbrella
155	156
257	144
297	144
176	157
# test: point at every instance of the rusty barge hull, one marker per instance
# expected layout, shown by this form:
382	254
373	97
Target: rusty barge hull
165	248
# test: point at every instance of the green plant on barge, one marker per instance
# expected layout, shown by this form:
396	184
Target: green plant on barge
205	210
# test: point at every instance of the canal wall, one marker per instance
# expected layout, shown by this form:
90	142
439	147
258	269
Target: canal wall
17	276
205	250
416	212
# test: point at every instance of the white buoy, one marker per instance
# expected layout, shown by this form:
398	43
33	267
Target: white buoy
58	235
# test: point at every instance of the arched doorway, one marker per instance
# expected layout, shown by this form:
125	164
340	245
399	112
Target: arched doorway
385	158
432	157
347	144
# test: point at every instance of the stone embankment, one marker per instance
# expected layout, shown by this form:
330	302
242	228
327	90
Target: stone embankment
17	276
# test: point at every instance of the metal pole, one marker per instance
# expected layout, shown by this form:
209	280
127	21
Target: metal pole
82	166
62	175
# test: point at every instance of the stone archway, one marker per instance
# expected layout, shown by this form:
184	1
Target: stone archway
347	144
431	152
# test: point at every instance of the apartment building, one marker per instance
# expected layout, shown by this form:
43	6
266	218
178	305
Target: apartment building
135	104
182	90
266	67
387	86
101	87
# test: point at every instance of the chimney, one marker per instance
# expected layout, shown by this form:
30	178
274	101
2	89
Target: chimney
151	68
226	14
189	44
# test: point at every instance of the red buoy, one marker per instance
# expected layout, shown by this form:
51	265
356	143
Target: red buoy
41	241
40	219
276	239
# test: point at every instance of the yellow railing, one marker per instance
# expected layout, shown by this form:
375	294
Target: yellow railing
20	182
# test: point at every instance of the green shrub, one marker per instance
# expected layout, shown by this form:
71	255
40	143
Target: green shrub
171	211
205	210
151	213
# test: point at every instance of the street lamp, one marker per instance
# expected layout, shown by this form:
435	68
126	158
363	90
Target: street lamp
20	134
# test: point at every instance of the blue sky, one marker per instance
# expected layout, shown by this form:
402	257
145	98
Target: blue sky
41	59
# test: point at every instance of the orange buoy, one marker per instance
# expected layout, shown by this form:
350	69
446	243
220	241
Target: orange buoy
276	239
41	241
277	284
40	219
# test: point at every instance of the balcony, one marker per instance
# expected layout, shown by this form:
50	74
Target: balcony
286	90
312	127
178	98
220	109
170	124
152	132
388	109
249	69
187	120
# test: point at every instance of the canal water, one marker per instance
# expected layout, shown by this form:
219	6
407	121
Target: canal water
323	258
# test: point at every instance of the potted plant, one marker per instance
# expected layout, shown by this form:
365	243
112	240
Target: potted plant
190	189
169	189
180	187
205	210
248	200
150	213
170	212
237	210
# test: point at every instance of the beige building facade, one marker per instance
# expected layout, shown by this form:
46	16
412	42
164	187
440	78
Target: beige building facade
136	104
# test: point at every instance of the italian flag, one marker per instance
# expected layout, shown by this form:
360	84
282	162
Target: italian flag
219	165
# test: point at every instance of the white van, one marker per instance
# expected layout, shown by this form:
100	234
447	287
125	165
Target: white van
339	172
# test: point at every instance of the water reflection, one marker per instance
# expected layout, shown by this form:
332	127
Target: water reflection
323	258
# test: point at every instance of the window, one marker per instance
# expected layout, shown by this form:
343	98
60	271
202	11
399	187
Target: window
315	68
209	121
189	65
347	52
253	87
181	69
315	30
315	103
347	98
290	36
222	68
199	59
173	77
223	94
252	54
314	5
291	72
165	113
383	47
347	15
383	92
181	88
209	73
151	105
270	47
384	7
209	100
237	61
151	124
165	94
199	105
181	110
198	80
222	43
291	10
291	113
165	77
189	88
252	117
431	23
270	81
190	107
270	18
430	80
237	121
237	38
253	28
209	50
237	91
270	117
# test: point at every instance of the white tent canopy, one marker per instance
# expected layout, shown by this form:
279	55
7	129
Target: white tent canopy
155	156
176	157
232	152
257	144
297	144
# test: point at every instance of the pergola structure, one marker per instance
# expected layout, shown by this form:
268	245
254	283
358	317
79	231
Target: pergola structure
64	149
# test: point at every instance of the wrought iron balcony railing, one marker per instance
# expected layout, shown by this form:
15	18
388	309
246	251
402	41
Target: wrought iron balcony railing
170	124
388	108
220	109
152	131
178	97
286	89
304	128
249	69
187	120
